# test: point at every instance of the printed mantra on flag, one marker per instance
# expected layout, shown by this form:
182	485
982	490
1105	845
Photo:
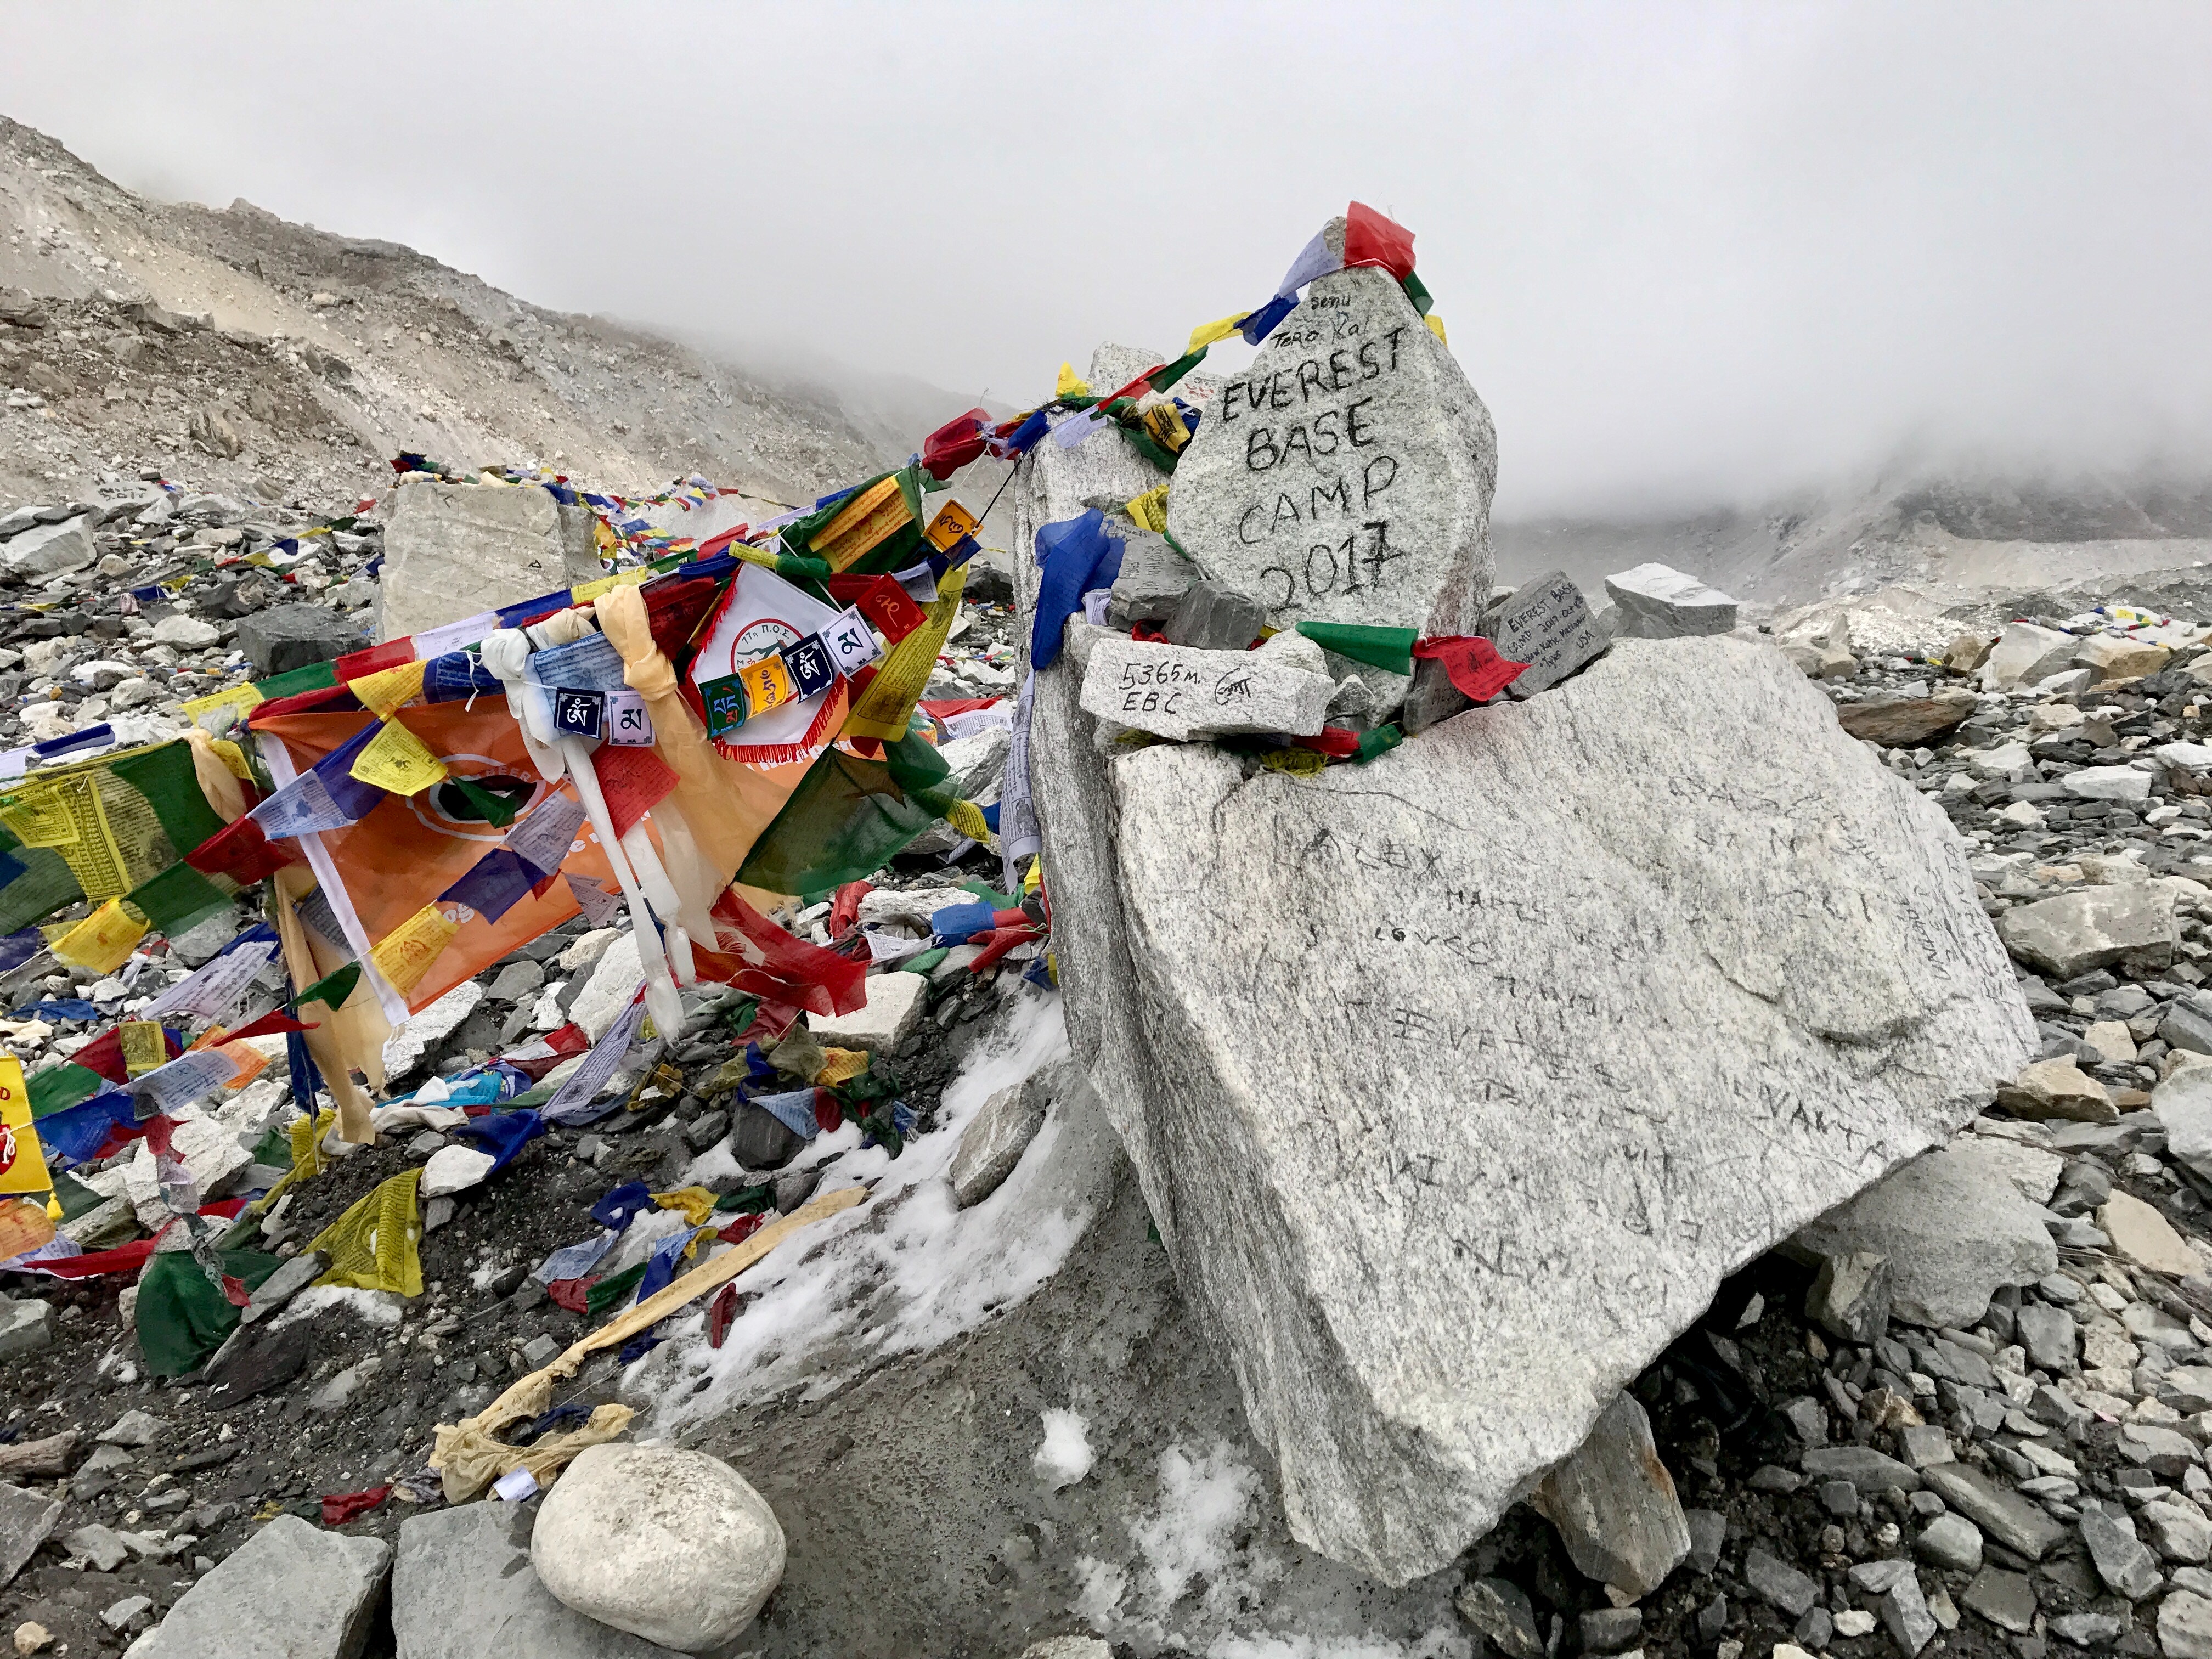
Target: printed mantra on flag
1334	435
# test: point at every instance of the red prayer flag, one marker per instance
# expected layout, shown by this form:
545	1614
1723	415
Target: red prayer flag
392	654
845	909
752	953
244	852
341	1507
1371	239
272	1023
889	609
1473	663
1331	740
955	444
724	1308
569	1293
634	780
828	1111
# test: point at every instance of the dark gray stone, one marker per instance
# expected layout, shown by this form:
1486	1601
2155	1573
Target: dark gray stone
1502	1612
26	1521
2005	1599
1214	616
1849	1298
290	636
1708	1533
290	1589
2005	1515
1611	1630
759	1140
1863	1466
1781	1584
1431	697
1153	580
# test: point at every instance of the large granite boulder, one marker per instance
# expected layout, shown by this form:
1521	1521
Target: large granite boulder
1346	476
451	550
1457	1082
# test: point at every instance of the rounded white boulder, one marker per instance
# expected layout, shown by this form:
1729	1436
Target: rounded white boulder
669	1544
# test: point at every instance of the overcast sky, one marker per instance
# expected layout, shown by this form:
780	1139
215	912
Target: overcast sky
1686	252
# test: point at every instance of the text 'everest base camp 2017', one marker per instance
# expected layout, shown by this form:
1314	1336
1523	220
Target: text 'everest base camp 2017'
600	1074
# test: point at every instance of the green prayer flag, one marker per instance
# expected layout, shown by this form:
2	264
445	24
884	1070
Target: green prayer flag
748	1201
166	775
1417	292
1388	648
923	962
177	898
315	676
41	885
333	992
607	1293
1176	370
1380	741
498	810
63	1086
846	819
182	1318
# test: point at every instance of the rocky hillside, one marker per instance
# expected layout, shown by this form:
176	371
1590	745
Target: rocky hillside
276	359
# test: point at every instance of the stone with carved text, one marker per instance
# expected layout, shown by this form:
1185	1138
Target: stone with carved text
1346	476
1458	1081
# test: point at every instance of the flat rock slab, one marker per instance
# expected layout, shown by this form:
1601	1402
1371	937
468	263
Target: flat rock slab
1537	1026
463	1588
1658	602
1179	692
454	550
291	1591
26	1521
1346	476
1954	1227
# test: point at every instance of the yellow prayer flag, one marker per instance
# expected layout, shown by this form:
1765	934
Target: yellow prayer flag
240	697
1072	385
952	522
391	689
866	522
405	954
396	759
1150	510
232	757
1220	329
103	941
143	1047
968	818
695	1202
22	1160
887	705
1436	326
591	591
841	1066
1299	762
766	683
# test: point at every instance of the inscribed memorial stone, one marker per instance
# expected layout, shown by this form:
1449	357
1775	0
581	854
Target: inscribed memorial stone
1180	692
1547	624
1581	1004
1347	476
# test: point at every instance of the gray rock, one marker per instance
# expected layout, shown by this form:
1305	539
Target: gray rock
1808	1419
119	1615
1433	962
705	1130
1431	697
1952	1541
26	1521
1179	692
2183	1104
1614	1504
286	1282
2187	1388
1840	1498
540	1349
1954	1228
2088	1630
2185	1626
2128	924
1547	624
27	1326
997	1136
1611	1630
2160	1450
49	549
189	632
2050	1337
1214	616
464	1588
1781	1584
1501	1611
1863	1466
1850	1296
1903	1611
2186	1026
759	1139
1346	476
1657	602
1153	580
454	550
2177	1531
1924	1443
288	637
291	1591
134	1428
515	982
1708	1533
2027	655
2019	1525
101	1546
669	1544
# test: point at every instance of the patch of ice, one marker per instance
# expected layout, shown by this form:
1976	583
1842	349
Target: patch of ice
908	1270
1066	1456
1192	1534
378	1307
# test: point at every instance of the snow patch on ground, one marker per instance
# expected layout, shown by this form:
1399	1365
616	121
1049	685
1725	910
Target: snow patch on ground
905	1271
378	1307
1066	1456
1191	1575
